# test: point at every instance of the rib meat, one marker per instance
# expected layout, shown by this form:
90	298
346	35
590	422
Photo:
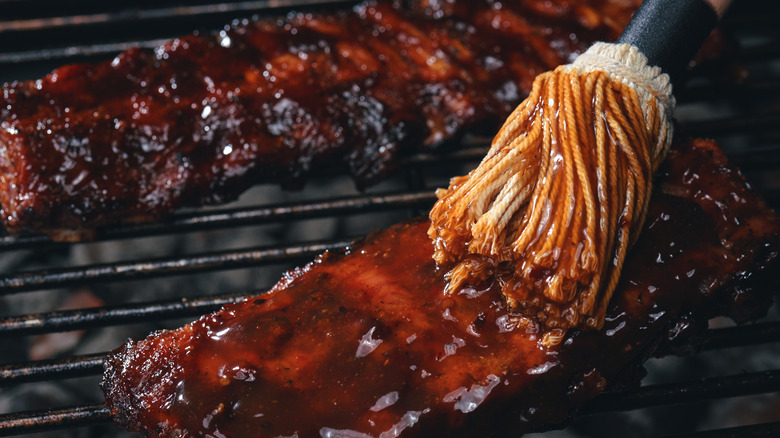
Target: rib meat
366	343
203	117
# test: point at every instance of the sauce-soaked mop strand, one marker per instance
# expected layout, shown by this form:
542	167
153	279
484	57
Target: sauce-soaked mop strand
562	194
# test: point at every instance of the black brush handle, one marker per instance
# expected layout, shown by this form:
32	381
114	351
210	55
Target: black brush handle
670	32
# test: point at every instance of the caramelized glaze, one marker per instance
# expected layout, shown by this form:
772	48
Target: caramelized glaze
367	344
202	117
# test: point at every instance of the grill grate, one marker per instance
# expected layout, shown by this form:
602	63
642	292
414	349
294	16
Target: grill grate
743	116
75	366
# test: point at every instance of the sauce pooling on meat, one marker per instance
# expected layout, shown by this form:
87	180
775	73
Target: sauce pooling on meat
367	344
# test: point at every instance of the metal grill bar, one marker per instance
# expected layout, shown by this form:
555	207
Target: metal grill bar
756	53
760	53
35	421
71	52
763	157
78	366
687	392
68	320
769	430
107	316
476	152
644	397
704	93
65	368
760	158
766	157
742	336
752	54
73	366
733	125
134	15
46	279
230	218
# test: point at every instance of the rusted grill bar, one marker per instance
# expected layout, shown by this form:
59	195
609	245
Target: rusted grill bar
74	366
29	422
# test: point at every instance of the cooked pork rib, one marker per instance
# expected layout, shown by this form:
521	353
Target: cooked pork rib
367	344
201	118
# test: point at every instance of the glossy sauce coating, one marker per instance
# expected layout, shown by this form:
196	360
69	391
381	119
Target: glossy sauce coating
367	344
203	117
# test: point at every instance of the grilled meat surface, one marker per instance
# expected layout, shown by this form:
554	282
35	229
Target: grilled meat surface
203	117
366	343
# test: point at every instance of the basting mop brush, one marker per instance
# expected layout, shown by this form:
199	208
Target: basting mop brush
554	206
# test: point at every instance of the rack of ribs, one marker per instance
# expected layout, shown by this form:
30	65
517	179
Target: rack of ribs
203	117
365	343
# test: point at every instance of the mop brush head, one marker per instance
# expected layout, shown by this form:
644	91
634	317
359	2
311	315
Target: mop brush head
554	206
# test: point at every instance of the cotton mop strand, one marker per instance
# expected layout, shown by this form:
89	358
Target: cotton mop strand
553	208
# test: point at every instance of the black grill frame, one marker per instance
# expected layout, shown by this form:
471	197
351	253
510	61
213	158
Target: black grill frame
760	159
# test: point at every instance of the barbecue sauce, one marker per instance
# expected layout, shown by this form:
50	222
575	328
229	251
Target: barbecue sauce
367	343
